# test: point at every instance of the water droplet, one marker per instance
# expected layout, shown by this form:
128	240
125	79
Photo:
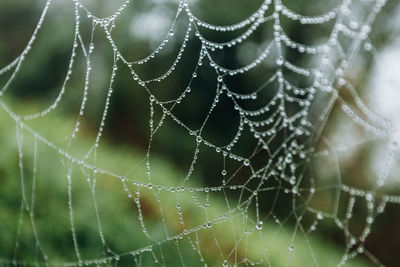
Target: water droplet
288	159
259	225
369	197
279	61
341	82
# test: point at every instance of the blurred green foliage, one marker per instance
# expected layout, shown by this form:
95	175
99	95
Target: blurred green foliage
127	134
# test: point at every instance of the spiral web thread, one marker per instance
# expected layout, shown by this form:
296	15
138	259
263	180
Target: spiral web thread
284	170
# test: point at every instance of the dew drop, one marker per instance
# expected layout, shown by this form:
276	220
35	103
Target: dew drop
259	225
369	197
279	61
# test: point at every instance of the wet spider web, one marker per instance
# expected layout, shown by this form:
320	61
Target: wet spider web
261	207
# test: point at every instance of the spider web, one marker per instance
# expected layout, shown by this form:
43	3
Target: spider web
263	205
